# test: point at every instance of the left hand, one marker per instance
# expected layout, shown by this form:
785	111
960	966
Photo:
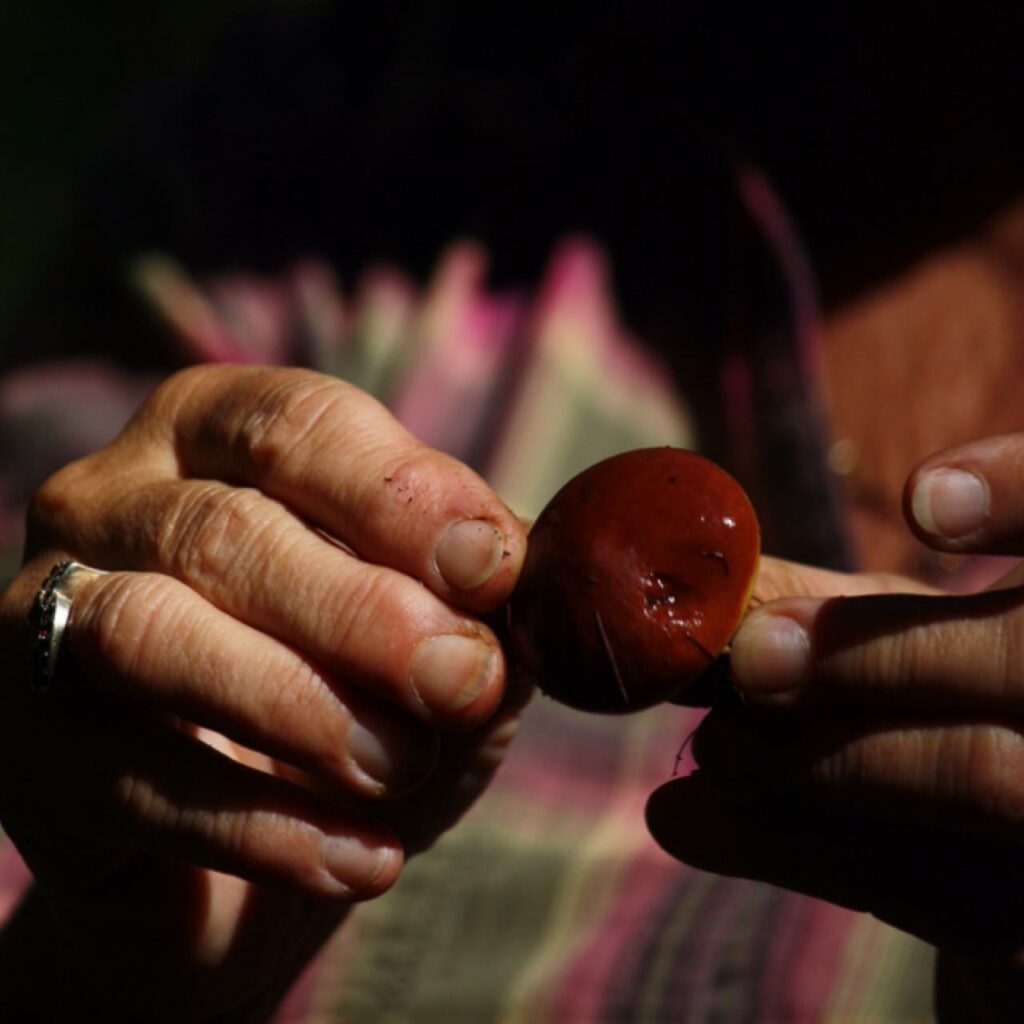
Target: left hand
879	760
259	719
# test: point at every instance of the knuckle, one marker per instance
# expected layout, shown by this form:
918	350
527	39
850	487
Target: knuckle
162	407
237	834
165	412
374	597
125	622
210	527
276	431
166	398
58	502
298	692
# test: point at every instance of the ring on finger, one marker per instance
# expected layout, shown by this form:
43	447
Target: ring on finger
48	620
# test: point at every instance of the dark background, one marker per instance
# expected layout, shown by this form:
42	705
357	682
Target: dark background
64	68
234	133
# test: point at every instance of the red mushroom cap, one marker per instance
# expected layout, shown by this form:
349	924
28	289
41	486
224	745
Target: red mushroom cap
637	574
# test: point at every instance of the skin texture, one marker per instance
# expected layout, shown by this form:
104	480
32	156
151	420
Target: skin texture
281	689
200	810
878	759
638	573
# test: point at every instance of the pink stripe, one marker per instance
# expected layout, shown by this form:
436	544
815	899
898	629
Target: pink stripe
805	963
575	289
705	958
586	982
446	397
424	399
576	275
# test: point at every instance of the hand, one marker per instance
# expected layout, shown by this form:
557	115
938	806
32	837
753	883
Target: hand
879	762
281	688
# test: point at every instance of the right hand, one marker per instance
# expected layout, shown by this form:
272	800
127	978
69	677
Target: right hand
283	680
877	757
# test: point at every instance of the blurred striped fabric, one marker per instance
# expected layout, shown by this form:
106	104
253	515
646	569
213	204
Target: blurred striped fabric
549	904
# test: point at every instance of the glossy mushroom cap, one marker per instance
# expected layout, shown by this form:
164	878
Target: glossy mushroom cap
636	576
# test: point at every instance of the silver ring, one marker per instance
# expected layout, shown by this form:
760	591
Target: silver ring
48	620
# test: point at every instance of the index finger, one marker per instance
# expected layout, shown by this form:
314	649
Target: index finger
888	650
338	458
778	578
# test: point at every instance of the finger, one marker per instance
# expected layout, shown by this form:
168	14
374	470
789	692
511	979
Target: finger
368	626
964	776
129	785
778	578
895	650
228	677
968	499
957	894
467	763
341	460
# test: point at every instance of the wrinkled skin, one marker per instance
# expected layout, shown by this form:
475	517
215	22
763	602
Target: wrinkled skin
251	736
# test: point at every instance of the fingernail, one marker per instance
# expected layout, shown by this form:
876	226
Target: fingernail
449	672
770	655
950	502
391	758
355	864
468	553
